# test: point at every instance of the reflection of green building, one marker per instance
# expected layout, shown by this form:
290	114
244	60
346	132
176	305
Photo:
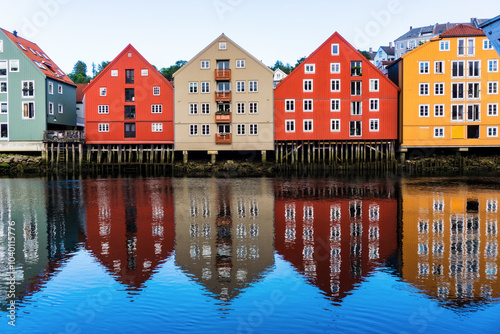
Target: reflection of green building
47	229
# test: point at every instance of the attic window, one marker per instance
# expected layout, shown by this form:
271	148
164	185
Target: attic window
21	46
60	72
32	51
222	46
114	73
45	56
40	65
130	55
144	72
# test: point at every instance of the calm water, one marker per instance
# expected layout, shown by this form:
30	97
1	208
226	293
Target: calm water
250	255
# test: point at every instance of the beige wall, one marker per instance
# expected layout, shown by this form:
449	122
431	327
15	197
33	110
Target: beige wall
254	71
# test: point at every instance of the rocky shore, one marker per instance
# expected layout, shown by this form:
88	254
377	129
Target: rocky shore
17	165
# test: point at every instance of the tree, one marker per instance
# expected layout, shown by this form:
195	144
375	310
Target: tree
168	72
279	65
101	67
366	54
299	61
79	74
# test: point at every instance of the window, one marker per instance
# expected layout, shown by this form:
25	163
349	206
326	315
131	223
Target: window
157	127
240	108
205	129
28	88
14	65
335	125
4	130
60	89
335	85
461	47
253	129
103	127
335	68
28	110
471	45
335	49
129	76
373	85
356	108
205	64
240	86
356	68
335	105
103	109
253	87
289	105
193	109
3	108
438	132
439	88
444	46
144	72
222	46
3	68
355	88
473	90
423	89
439	110
205	108
51	88
355	128
308	85
240	63
129	112
240	129
193	129
102	91
129	130
492	87
492	109
487	45
1	45
457	90
290	125
129	95
156	108
156	91
205	87
473	112
374	104
374	125
457	69
439	67
457	112
492	131
253	108
60	108
493	65
309	68
114	73
3	86
474	68
193	87
308	125
424	110
423	67
51	108
308	105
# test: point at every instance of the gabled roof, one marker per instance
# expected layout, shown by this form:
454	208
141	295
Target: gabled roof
416	32
79	92
484	22
389	50
108	68
222	36
39	58
462	30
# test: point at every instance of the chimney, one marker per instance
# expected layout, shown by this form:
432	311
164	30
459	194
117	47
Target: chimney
390	44
370	50
411	27
15	33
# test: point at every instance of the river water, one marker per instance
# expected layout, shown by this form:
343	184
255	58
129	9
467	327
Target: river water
250	255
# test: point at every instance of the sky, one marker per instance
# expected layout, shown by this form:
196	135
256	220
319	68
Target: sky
166	31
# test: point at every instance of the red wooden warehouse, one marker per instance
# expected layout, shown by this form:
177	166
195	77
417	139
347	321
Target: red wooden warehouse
129	106
335	105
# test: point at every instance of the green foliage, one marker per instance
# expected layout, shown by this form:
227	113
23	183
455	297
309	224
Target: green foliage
4	165
299	61
102	66
366	54
79	74
279	65
168	72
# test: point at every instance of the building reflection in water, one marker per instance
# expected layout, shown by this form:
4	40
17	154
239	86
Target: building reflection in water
450	241
48	227
335	233
224	232
130	226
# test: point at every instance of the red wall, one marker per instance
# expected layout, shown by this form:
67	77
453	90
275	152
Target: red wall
292	88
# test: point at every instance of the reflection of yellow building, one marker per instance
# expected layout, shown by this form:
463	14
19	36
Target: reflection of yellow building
450	241
224	232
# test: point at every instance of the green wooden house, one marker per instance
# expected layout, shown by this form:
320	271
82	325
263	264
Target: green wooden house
35	95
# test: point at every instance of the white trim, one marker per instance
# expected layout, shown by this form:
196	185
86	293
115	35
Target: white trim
439	105
304	105
336	120
377	101
372	83
337	85
156	127
59	89
103	127
51	108
441	132
10	65
144	72
304	125
102	109
337	102
308	85
60	108
493	128
290	102
334	66
420	106
34	109
51	88
289	121
332	49
309	68
375	121
155	89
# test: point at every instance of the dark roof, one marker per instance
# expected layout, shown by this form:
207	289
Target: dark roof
432	30
484	22
79	92
462	30
388	49
416	32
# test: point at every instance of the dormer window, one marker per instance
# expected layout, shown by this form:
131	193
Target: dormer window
21	46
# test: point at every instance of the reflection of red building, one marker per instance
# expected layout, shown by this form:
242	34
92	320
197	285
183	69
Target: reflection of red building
333	237
130	226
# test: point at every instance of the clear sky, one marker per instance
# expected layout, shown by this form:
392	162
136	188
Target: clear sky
167	31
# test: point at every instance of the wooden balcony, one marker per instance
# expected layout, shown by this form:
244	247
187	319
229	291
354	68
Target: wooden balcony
223	96
223	138
222	118
222	75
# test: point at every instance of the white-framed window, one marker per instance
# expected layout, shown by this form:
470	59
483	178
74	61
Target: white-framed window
439	67
103	91
356	88
335	125
205	108
240	63
103	109
3	86
335	49
156	127
492	109
60	108
28	89
290	125
355	128
240	107
335	105
4	108
59	89
205	129
487	45
439	110
458	90
335	85
205	87
114	73
289	105
3	68
253	86
4	130
308	125
205	64
374	104
458	69
51	88
439	88
193	129
1	45
254	129
474	90
28	110
457	112
156	108
423	89
14	65
156	90
374	85
144	72
444	46
492	87
310	68
461	47
492	65
335	68
423	110
240	129
439	132
308	105
492	131
193	109
308	85
423	67
473	68
222	46
473	112
193	87
471	46
356	108
240	86
253	107
374	125
51	108
103	127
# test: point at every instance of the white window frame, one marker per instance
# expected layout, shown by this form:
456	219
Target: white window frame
103	109
205	129
156	91
103	91
6	90
439	132
59	89
425	92
308	122
205	64
490	130
334	68
335	105
374	122
308	85
11	62
442	66
458	105
335	83
438	109
253	108
290	105
423	110
289	123
333	47
205	108
492	87
424	67
374	85
22	87
492	109
335	125
193	109
377	105
253	86
7	124
253	129
240	108
6	104
34	109
114	73
487	45
51	88
457	84
469	62
306	103
478	84
103	127
310	68
240	130
51	108
222	46
156	127
464	47
444	46
240	63
193	129
458	76
441	91
492	65
193	87
1	45
60	108
157	108
144	72
240	86
473	40
205	87
356	111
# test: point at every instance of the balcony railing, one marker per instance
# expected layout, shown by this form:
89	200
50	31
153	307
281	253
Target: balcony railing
63	136
223	138
222	75
223	96
222	117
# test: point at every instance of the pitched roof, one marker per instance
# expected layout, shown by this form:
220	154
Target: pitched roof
416	32
388	49
79	92
462	30
40	58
